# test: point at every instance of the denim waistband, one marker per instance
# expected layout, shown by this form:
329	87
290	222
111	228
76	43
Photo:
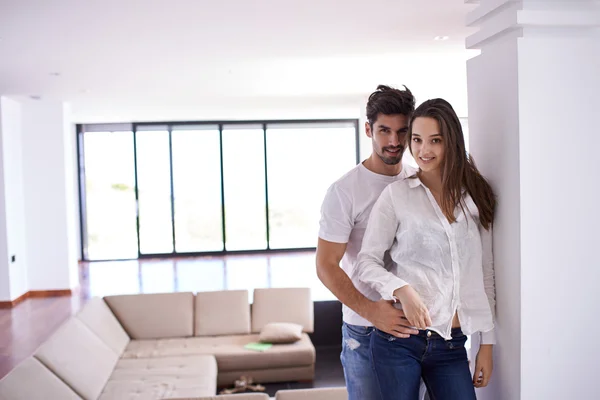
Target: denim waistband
427	333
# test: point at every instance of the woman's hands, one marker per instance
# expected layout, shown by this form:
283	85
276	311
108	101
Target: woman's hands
415	311
483	366
418	316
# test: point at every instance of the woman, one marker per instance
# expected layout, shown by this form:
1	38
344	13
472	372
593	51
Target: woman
437	227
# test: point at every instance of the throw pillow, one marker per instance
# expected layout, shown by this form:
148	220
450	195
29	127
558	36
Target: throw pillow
281	332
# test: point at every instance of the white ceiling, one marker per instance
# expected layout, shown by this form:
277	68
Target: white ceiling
152	59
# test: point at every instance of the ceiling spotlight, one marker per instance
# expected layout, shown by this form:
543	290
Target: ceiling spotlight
54	73
35	97
440	38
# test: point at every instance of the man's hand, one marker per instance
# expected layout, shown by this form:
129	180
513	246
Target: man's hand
483	366
389	319
382	314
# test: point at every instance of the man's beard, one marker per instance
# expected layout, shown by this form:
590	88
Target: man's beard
391	160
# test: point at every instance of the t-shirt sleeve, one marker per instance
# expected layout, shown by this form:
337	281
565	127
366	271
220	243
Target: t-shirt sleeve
336	221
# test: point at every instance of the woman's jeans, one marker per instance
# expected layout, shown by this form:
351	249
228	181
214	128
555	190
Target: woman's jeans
399	365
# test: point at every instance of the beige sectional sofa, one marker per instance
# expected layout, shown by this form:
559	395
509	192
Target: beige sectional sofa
161	346
339	393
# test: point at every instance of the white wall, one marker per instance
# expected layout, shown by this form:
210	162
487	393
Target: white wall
12	225
533	101
47	177
494	144
37	198
4	254
69	140
14	200
559	85
283	87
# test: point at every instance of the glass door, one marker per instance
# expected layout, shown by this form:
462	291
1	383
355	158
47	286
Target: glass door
197	188
109	209
302	161
244	187
153	171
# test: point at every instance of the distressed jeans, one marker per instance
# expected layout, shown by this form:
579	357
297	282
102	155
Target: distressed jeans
361	381
356	360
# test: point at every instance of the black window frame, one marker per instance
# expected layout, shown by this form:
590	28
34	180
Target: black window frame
81	129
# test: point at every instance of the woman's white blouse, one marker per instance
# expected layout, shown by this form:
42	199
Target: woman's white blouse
449	265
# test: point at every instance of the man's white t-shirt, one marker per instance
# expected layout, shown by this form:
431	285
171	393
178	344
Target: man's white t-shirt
344	217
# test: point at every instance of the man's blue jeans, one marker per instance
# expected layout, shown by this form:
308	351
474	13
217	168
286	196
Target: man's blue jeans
356	360
399	365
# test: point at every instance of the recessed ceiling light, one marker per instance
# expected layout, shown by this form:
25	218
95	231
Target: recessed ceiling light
441	38
35	97
54	73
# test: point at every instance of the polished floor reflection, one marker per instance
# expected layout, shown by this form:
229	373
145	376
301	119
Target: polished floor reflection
205	274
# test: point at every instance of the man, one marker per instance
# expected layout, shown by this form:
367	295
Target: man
344	216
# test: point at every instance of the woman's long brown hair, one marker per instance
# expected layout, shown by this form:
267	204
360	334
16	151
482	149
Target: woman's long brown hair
458	170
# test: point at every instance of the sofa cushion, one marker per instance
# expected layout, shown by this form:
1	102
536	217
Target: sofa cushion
162	378
280	332
237	396
79	357
153	316
98	317
228	350
339	393
31	380
158	387
136	389
225	312
282	305
194	365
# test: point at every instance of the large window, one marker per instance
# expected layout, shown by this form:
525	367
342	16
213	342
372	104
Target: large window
154	190
197	189
244	179
110	197
303	160
151	189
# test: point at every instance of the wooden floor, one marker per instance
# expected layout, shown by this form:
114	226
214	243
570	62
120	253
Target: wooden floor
205	274
24	327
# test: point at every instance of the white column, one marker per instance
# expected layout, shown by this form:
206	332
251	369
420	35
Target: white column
13	252
534	93
49	200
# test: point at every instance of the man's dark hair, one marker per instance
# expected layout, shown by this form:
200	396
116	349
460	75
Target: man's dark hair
387	100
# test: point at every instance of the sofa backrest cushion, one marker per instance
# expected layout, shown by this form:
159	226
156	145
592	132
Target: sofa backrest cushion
98	317
154	316
80	358
31	380
282	305
313	394
224	312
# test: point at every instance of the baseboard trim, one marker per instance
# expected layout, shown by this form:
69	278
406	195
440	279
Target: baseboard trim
11	304
36	294
49	293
